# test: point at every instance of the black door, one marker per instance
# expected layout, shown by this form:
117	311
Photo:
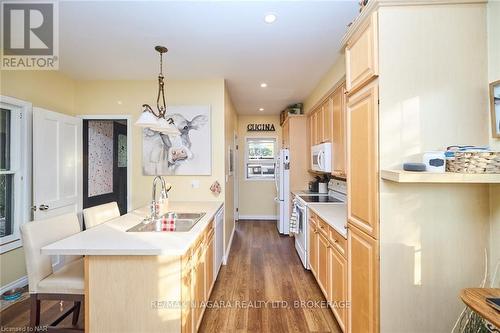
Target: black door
113	173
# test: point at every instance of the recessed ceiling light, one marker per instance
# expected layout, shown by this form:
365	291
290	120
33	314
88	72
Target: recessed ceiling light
263	85
270	18
261	109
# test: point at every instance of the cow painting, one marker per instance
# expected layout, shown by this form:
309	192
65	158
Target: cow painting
188	153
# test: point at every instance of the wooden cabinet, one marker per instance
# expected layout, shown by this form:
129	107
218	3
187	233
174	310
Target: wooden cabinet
327	260
313	247
285	134
363	169
294	138
186	294
338	105
361	54
198	286
209	267
327	119
338	285
323	264
363	280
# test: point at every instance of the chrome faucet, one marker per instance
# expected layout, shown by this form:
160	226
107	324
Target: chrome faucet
163	195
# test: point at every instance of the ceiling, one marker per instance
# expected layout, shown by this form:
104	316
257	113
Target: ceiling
114	40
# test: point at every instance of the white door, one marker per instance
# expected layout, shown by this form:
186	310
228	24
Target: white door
235	176
57	164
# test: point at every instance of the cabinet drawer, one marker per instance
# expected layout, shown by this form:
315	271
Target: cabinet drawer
323	227
339	242
362	55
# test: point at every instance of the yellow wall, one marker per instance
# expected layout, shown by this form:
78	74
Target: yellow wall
230	126
103	98
47	89
256	198
327	82
494	75
57	92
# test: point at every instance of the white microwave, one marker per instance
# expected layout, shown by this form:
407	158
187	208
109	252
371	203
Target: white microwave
321	157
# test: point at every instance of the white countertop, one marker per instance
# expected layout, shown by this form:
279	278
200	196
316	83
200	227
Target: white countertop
334	214
111	238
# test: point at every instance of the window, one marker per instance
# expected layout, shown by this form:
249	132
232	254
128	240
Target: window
260	154
14	209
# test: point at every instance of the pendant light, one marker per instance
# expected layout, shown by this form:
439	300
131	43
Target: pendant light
157	120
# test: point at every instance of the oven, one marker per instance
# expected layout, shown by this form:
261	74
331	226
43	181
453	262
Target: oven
301	238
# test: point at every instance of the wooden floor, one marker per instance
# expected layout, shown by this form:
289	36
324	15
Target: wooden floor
264	266
18	315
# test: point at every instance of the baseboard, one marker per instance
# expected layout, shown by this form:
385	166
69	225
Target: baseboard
226	253
19	283
258	217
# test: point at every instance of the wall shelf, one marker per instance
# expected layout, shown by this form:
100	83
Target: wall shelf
401	176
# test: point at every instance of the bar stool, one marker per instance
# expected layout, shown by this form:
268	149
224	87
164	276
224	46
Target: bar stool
65	284
96	215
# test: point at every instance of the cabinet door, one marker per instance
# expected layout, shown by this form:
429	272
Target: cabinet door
199	285
338	286
187	310
209	267
339	131
323	267
315	134
361	55
286	135
363	281
327	119
313	248
362	168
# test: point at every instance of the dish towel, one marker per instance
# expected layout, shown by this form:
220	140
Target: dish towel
294	226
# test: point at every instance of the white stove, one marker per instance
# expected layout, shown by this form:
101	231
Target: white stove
337	194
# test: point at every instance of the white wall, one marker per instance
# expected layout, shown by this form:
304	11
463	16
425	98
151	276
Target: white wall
433	93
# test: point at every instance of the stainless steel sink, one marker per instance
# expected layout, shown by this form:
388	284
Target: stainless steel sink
183	222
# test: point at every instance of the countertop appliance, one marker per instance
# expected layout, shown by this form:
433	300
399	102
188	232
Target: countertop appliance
337	194
282	181
321	157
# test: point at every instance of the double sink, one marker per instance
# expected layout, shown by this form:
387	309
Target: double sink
183	222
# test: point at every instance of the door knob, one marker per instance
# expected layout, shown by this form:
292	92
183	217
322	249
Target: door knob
44	207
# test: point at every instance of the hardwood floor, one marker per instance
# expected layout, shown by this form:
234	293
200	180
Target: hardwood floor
264	267
17	316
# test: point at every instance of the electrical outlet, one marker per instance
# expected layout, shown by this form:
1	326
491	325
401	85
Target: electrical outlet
195	184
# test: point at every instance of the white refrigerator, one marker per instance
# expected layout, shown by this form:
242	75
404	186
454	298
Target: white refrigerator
282	179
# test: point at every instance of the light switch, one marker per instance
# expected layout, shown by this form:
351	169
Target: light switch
195	184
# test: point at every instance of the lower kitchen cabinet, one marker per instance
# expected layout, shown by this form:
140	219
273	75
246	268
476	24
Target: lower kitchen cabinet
313	246
198	280
323	264
363	280
328	263
338	286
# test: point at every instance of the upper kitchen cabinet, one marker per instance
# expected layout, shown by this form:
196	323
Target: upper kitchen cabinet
361	54
362	147
326	119
338	109
294	138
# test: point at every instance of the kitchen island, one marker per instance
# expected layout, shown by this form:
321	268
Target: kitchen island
145	281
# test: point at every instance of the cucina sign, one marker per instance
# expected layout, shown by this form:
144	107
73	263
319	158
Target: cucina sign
260	128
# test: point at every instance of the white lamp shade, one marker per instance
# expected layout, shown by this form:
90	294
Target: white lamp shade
164	126
147	119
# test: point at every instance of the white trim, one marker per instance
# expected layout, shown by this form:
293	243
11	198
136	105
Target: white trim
19	283
258	217
228	249
128	118
273	161
21	151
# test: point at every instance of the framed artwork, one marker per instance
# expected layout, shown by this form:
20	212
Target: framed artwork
495	108
189	153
